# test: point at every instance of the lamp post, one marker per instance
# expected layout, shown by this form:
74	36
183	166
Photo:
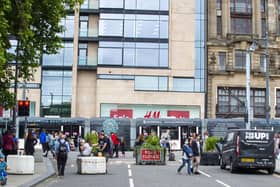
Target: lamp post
252	48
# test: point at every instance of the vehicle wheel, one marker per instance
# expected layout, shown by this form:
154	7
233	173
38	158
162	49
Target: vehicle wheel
270	171
222	165
232	168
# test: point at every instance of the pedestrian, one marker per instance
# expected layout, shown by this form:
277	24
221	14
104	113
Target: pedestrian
15	147
8	144
51	143
122	146
3	172
116	143
85	148
104	144
196	154
30	142
186	159
61	149
43	141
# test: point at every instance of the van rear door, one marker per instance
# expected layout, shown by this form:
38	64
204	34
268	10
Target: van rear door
258	145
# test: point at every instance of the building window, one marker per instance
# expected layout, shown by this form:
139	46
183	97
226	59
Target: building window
183	84
231	102
222	61
240	60
111	3
56	93
134	25
68	24
241	16
262	6
130	54
263	27
219	25
83	54
84	26
262	63
277	103
150	83
64	57
241	6
219	4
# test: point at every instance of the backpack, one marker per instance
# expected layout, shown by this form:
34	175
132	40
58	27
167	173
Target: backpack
62	148
188	151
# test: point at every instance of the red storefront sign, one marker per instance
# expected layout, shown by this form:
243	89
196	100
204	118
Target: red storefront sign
150	155
150	114
121	113
178	114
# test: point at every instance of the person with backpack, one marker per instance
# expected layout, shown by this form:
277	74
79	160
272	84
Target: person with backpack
187	157
61	149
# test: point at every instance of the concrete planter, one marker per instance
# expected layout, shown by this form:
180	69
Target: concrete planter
210	158
91	165
20	164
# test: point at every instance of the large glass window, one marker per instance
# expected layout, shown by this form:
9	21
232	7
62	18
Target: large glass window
277	103
83	54
241	25
133	54
183	84
222	61
151	83
241	6
219	25
134	26
68	23
136	4
231	102
64	57
240	59
111	3
84	26
56	93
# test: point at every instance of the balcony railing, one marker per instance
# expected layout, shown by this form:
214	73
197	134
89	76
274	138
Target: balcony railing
88	33
86	61
90	4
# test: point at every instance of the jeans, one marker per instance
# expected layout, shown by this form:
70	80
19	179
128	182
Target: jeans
61	162
184	162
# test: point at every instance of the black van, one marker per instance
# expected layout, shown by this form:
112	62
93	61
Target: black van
244	148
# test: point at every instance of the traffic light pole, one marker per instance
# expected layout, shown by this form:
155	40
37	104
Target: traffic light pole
15	89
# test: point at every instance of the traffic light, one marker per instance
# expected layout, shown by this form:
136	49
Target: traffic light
23	107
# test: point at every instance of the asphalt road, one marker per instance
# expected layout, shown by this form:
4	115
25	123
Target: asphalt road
124	173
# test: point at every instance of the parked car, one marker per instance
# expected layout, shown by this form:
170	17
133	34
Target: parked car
244	148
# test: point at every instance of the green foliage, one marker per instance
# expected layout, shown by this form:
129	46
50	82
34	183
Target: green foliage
152	142
211	143
35	25
92	138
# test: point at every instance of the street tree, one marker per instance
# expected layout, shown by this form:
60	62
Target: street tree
33	26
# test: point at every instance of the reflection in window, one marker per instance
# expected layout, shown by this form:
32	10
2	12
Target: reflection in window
133	54
151	83
136	26
84	26
111	3
183	84
147	5
56	93
222	61
64	57
83	54
68	24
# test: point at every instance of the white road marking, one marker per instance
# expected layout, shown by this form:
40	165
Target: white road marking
205	174
131	184
128	166
275	175
129	173
222	183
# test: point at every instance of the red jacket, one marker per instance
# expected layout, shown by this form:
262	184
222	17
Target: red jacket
115	139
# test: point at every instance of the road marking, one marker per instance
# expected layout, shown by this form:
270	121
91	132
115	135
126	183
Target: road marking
131	184
222	183
275	175
128	166
129	173
205	174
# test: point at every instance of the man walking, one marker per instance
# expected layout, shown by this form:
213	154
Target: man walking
43	141
187	156
61	149
196	154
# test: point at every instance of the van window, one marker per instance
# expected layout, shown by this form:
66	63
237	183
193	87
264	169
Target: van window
230	137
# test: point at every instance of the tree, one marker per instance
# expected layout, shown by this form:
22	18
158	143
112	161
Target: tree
34	25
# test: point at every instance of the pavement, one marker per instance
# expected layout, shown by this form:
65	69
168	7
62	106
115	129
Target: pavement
43	170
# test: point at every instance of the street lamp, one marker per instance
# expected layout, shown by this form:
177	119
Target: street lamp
252	48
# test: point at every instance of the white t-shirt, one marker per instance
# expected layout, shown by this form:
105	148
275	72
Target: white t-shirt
87	149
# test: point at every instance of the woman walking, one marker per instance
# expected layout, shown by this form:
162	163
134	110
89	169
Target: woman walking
30	142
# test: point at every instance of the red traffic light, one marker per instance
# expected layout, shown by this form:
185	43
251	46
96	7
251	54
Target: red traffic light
27	103
20	103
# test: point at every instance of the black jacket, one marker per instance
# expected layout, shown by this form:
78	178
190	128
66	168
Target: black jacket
29	146
195	148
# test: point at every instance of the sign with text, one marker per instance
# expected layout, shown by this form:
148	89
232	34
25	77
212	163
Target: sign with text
150	155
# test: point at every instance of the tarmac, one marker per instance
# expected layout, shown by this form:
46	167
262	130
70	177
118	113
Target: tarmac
45	170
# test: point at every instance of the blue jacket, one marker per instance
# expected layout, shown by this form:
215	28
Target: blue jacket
57	142
43	137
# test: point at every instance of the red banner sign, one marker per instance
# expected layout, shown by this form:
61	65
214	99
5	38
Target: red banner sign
150	155
178	114
121	113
